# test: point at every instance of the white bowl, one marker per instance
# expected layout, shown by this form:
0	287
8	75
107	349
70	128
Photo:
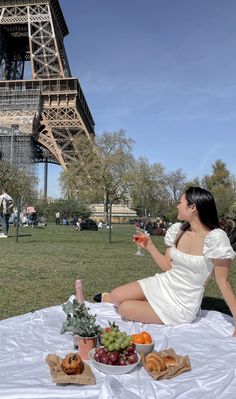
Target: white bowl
108	369
144	348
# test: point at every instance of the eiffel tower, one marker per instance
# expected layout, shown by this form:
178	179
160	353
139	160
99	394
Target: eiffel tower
50	106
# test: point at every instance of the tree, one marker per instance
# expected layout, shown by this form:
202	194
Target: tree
232	212
220	176
195	182
101	171
146	186
222	186
81	180
175	183
17	182
173	187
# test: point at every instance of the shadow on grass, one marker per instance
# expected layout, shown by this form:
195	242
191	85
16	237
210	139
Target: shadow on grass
218	304
21	235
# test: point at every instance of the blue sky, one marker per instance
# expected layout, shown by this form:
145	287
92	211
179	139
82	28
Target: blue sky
164	71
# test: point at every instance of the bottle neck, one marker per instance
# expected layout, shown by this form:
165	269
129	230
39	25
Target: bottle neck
79	291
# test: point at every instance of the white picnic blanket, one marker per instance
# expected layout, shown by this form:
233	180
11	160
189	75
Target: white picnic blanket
26	340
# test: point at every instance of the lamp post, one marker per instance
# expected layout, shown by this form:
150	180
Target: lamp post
110	217
18	219
14	161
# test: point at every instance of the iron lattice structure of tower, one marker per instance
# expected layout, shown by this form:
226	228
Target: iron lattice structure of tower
50	107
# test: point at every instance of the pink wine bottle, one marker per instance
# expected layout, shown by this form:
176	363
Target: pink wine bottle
79	291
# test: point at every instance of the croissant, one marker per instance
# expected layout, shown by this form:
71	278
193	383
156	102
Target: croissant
72	364
169	361
154	362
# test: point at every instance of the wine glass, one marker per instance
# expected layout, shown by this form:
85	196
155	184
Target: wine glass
138	239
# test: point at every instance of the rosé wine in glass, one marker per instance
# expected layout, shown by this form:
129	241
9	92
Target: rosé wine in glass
139	239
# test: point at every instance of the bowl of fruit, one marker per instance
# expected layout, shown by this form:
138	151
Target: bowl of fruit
117	355
143	342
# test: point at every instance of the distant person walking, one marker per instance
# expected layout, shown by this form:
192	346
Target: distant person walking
6	206
57	216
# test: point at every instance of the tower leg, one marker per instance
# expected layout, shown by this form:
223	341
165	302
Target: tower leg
45	192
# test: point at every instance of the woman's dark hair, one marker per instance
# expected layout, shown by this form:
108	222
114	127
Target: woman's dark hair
206	207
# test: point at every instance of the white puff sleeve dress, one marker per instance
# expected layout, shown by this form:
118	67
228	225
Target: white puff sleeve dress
176	294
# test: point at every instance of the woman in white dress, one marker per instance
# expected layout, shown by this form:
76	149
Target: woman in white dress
194	249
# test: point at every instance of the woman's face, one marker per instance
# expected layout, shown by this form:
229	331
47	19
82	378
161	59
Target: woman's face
185	211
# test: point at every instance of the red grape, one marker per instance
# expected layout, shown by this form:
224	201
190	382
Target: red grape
104	359
129	351
114	356
132	358
121	362
96	357
101	351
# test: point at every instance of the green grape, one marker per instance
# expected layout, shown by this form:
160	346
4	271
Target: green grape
127	342
111	348
123	345
116	346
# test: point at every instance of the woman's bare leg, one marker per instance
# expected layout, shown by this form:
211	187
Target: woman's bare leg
132	303
124	293
139	311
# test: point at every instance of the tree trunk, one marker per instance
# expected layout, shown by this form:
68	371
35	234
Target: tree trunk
105	207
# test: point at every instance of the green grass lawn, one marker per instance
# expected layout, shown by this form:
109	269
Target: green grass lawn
40	270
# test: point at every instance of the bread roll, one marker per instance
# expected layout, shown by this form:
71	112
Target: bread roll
154	362
72	364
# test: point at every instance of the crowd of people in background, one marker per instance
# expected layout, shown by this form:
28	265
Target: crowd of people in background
77	222
29	218
158	227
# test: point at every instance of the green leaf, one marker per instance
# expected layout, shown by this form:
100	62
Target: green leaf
79	320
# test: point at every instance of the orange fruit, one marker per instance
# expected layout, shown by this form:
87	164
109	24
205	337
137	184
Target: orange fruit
147	337
138	339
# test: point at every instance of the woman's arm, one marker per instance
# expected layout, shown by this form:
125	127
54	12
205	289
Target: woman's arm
163	261
222	275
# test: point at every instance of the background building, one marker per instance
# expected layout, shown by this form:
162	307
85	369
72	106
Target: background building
120	213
